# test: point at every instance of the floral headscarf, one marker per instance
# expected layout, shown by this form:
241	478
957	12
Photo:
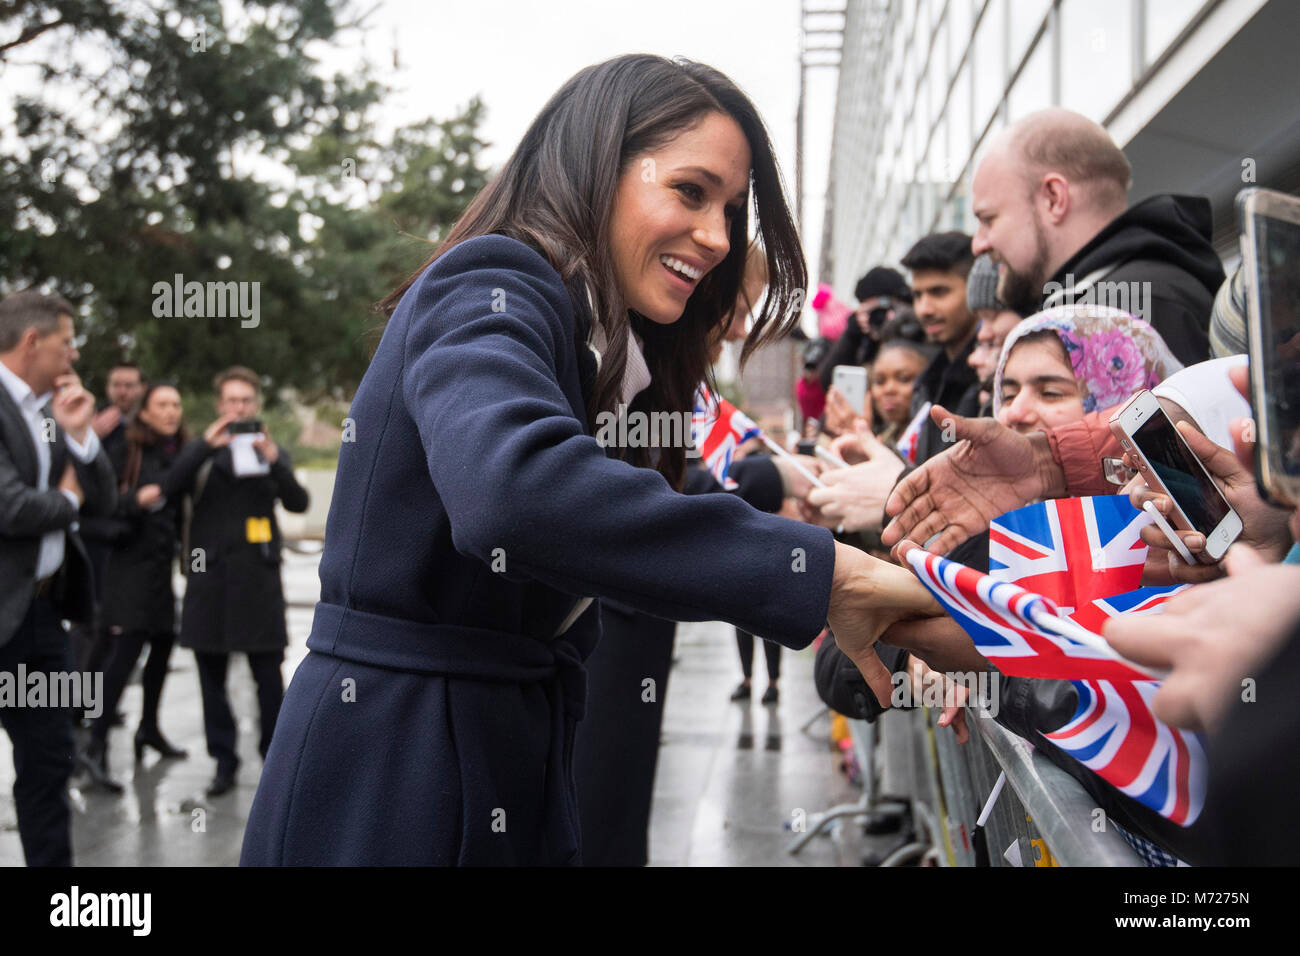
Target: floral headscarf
1113	354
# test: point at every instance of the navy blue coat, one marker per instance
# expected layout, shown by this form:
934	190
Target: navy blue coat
432	720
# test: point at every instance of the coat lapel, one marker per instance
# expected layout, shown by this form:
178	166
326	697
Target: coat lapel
17	438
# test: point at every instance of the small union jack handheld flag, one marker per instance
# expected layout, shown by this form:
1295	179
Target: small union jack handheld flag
1081	558
718	428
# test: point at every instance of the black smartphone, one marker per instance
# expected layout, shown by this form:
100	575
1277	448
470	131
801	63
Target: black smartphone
1269	224
247	426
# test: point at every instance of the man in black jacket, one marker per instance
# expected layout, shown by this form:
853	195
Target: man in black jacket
50	465
1051	197
940	263
234	598
124	385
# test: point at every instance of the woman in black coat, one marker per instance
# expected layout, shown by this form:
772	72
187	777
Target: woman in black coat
139	606
476	515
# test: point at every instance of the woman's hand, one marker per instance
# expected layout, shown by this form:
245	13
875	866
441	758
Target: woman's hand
839	415
867	597
1264	527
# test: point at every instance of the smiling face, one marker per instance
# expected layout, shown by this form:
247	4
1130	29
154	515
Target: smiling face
1039	390
939	300
162	412
672	216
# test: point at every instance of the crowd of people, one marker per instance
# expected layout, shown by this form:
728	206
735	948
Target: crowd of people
991	380
1004	398
97	508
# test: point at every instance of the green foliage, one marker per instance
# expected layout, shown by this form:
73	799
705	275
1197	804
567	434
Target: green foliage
206	142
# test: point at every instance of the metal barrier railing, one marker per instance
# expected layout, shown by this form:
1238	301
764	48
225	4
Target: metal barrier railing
1043	817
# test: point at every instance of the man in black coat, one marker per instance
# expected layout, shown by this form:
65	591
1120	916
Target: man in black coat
234	600
1051	197
940	263
50	465
124	385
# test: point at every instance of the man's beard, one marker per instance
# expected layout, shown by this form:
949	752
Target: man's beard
1023	290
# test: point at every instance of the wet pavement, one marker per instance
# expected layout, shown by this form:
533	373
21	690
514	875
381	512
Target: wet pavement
732	778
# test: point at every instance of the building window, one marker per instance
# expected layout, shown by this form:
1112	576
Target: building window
989	74
1033	89
1165	20
1096	55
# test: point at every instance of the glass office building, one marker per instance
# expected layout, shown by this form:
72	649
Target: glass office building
1199	94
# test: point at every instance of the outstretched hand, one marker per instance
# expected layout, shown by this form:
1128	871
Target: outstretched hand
868	596
854	498
1212	636
989	471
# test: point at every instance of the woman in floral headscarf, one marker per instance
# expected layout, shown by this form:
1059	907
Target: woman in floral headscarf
1063	363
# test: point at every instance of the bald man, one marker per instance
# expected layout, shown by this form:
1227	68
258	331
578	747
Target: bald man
1051	197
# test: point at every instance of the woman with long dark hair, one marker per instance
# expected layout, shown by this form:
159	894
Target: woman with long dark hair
476	515
139	606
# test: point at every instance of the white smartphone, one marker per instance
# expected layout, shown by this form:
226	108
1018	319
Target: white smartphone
1167	465
851	382
1270	271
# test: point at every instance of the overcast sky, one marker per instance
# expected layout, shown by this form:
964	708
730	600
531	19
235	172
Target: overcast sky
516	53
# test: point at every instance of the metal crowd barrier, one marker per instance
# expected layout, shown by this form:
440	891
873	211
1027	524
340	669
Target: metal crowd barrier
1041	818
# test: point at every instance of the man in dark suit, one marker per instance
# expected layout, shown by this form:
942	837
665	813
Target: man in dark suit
124	385
234	600
51	464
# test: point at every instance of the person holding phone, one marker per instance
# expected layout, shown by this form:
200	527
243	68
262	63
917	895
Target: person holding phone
477	519
234	598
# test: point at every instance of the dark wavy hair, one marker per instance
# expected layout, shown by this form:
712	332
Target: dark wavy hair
556	194
140	436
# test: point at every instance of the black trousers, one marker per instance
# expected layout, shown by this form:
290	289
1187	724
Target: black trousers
219	721
42	738
125	651
617	744
771	651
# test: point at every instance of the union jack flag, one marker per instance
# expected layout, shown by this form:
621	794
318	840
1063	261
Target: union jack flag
1006	623
718	428
911	437
1115	734
1072	550
1082	558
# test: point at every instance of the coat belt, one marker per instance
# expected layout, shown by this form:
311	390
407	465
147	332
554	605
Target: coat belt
472	653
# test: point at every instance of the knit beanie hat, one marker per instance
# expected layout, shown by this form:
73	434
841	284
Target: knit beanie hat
982	285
